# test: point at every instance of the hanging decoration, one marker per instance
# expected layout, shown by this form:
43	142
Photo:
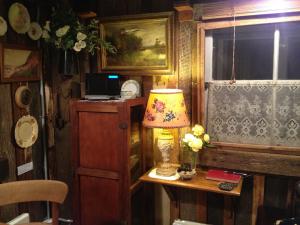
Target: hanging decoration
64	31
23	96
3	26
19	18
26	131
35	31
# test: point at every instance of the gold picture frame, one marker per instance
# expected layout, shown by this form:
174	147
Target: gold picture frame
19	63
144	43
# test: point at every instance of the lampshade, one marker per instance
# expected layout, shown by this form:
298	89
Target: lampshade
166	109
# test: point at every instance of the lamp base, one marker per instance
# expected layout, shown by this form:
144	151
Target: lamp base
166	171
153	174
165	143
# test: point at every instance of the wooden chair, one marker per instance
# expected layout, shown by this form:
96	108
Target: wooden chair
34	190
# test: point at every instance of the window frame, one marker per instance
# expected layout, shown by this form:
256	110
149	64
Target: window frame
210	158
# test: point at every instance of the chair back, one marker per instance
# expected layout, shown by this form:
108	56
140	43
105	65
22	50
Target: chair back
34	190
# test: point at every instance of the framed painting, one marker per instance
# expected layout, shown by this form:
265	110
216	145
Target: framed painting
19	63
144	43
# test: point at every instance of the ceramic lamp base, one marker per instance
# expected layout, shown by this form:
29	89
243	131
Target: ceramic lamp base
165	145
165	171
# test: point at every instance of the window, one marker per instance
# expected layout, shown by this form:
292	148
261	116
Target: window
289	51
253	52
263	106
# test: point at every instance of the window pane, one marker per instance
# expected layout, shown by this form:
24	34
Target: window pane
253	52
289	51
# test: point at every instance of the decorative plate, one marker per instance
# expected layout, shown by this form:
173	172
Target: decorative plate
26	131
3	26
130	89
23	96
35	31
19	18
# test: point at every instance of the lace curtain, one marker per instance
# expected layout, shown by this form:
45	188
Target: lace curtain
254	112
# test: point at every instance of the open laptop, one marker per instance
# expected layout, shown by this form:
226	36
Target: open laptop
101	86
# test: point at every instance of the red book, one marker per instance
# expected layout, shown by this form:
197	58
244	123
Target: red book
221	175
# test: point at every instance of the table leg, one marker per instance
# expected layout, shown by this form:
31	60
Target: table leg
201	206
229	211
257	196
174	202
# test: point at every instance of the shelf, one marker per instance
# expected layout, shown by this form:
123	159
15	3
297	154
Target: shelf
198	182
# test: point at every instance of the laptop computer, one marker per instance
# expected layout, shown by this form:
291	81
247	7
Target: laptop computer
101	86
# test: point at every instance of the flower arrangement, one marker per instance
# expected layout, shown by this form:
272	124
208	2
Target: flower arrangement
192	143
65	31
196	140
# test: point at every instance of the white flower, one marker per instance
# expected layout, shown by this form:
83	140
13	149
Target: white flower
45	34
47	25
198	130
62	31
206	138
77	47
188	137
81	36
196	144
82	44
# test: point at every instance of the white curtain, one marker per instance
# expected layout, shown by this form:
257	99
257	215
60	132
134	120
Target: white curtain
254	112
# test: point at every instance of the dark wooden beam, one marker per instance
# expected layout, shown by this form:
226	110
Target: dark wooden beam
185	10
255	162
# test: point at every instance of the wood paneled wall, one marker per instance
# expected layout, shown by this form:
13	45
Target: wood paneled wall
62	89
9	115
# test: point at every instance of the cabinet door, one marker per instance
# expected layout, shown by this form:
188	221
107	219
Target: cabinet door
100	141
100	179
99	200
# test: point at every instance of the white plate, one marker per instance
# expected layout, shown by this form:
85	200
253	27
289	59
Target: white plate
3	26
35	31
19	18
130	89
26	131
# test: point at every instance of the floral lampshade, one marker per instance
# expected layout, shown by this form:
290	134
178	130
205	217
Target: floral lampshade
166	109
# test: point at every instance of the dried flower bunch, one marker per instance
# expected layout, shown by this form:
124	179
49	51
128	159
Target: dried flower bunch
65	31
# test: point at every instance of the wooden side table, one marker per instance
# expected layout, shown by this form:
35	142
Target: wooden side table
200	183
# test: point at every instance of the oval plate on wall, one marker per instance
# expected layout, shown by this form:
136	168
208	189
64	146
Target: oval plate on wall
19	18
26	131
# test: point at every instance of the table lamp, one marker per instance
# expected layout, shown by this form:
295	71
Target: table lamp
165	109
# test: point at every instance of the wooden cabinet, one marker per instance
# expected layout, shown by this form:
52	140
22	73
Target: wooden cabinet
107	159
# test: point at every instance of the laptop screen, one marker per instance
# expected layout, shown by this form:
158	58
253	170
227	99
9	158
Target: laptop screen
102	84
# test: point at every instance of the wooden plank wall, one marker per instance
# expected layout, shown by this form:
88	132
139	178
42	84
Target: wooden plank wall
266	200
62	89
10	113
189	209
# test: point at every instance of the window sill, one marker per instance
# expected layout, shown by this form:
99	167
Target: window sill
237	158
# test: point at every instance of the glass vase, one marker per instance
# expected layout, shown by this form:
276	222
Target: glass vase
68	63
189	157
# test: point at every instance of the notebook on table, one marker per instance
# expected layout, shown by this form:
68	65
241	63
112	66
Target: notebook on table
224	176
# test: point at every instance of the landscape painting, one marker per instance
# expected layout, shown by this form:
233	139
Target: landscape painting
144	44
